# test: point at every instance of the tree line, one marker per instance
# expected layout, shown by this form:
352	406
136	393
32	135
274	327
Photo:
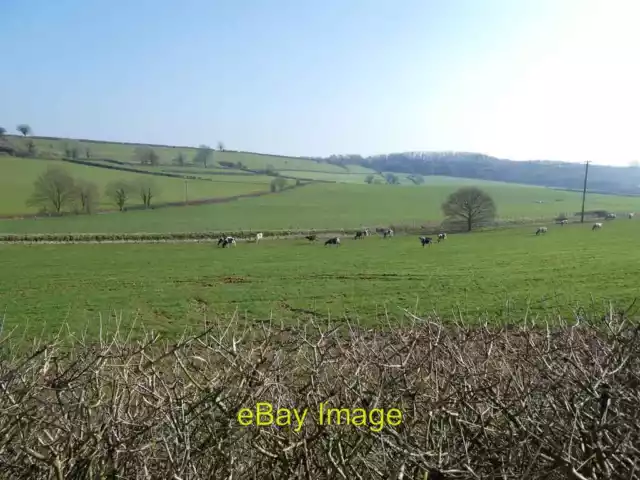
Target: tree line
605	179
57	191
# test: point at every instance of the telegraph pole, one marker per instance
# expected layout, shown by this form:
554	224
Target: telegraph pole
584	191
186	191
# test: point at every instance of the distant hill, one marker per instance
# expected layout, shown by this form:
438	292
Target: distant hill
602	179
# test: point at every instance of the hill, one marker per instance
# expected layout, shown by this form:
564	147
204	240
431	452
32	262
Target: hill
602	179
17	176
130	153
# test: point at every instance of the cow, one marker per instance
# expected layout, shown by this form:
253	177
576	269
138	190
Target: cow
541	230
360	234
596	226
333	241
610	216
631	215
426	241
367	232
564	222
259	237
311	238
388	233
442	236
224	241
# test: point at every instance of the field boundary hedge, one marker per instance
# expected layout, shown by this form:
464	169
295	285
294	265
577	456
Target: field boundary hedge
533	400
207	236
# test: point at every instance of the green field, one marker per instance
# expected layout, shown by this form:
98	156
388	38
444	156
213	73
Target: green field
168	286
327	206
126	153
18	174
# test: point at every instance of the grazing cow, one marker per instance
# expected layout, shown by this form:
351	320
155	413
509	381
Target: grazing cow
311	238
631	215
564	222
388	233
426	241
541	230
333	241
224	241
596	226
259	237
442	236
360	234
610	216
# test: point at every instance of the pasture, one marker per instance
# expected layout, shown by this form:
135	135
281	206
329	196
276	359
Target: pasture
327	206
509	273
17	176
55	147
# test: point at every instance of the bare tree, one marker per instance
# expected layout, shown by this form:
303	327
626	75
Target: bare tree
147	156
277	184
24	129
87	196
53	190
119	192
71	151
469	205
203	155
221	146
146	188
180	159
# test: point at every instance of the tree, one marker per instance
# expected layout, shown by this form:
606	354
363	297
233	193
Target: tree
368	179
31	148
277	184
416	178
203	155
2	131
119	192
146	156
24	129
53	190
146	189
469	206
180	159
392	179
71	151
87	196
221	146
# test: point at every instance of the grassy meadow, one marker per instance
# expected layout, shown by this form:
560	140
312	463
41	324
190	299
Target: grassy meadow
327	206
166	154
18	174
504	273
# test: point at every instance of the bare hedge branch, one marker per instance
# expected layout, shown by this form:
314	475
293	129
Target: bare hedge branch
477	402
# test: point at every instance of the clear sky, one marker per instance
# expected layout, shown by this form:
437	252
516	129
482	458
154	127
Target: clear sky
519	79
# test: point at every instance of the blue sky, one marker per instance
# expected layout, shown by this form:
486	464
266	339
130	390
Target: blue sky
520	79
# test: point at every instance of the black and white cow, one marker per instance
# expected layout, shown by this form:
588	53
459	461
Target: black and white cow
426	241
333	241
225	241
442	236
564	221
610	216
388	233
311	238
541	230
596	226
361	234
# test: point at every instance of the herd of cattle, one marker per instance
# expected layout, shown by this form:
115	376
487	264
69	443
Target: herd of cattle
595	226
226	240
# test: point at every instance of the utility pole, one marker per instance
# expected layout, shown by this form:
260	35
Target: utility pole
186	191
584	191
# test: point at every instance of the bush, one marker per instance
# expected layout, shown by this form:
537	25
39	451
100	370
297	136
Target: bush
497	402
